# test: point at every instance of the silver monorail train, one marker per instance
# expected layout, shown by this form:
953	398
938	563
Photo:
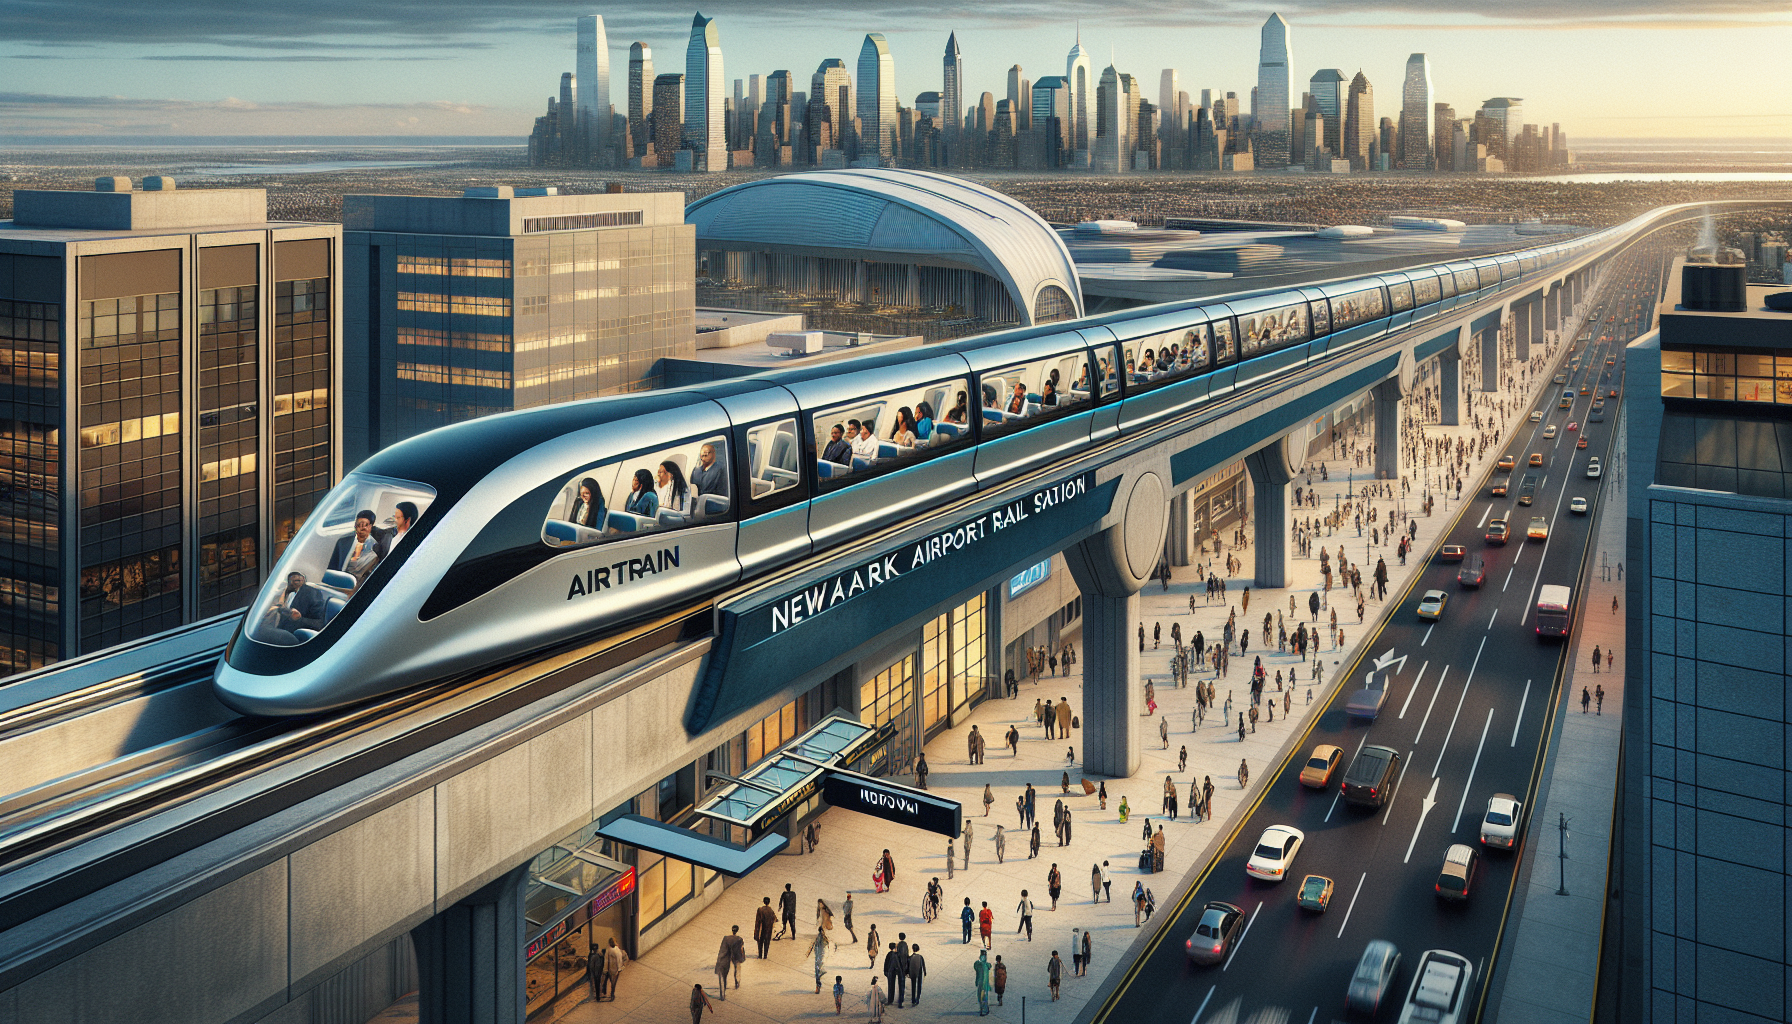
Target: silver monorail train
471	544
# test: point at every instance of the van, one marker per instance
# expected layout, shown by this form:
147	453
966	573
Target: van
1369	782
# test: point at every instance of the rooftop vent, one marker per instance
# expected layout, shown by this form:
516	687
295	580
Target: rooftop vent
1713	287
158	183
113	184
489	192
538	190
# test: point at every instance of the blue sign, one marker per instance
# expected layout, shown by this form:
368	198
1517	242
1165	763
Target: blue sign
1027	579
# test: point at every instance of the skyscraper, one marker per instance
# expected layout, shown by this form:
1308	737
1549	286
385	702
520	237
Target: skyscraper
640	96
569	104
705	119
1443	121
1082	96
1051	110
1018	87
1359	122
1271	99
1329	99
1508	113
1168	85
594	86
877	100
1415	114
668	131
1113	124
952	103
830	104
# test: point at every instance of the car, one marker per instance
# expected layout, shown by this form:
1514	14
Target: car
1593	469
1609	361
1440	989
1370	779
1613	393
1366	702
1539	528
1578	506
1536	458
1561	378
1586	389
1373	976
1457	876
1321	763
1431	606
1549	433
1473	572
1500	485
1315	893
1506	464
1498	531
1214	934
1536	416
1275	852
1450	553
1500	825
1582	443
1574	426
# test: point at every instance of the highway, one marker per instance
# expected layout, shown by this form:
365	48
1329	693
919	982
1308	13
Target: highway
1468	708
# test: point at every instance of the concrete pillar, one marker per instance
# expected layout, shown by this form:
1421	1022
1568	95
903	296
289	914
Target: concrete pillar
1552	309
1176	540
1490	358
1521	322
470	957
1387	429
1449	386
1270	476
1536	310
1109	569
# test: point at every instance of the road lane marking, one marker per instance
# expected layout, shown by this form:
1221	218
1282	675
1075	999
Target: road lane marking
1241	936
1471	772
1466	683
1445	674
1203	1007
1521	703
1484	515
1415	688
1311	1017
1428	630
1334	806
1509	573
1496	614
1397	782
1430	802
1520	556
1353	896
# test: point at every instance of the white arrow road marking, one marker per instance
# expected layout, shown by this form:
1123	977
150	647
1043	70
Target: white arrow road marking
1387	658
1429	802
1471	772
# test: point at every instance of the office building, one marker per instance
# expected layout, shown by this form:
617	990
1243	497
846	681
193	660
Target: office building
1169	84
1505	115
1270	102
196	426
877	102
668	130
594	88
952	103
705	119
1701	902
1330	100
1443	123
465	306
1114	124
1359	122
1020	99
640	97
1082	100
1415	114
1051	116
830	111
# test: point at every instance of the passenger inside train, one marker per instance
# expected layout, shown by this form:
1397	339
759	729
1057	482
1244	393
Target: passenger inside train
335	553
906	421
676	486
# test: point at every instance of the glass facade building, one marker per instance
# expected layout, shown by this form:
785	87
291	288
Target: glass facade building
1273	62
877	101
169	408
463	307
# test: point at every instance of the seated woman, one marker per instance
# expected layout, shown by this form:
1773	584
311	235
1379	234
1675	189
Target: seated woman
903	434
1147	364
1082	382
1017	403
588	508
960	411
642	501
1050	398
673	494
924	425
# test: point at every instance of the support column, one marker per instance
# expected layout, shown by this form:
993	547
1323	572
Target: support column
1387	429
470	957
1536	311
1110	568
1521	322
1552	318
1176	540
1490	358
1449	386
1270	477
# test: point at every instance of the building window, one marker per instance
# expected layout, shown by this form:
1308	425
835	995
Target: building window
302	454
621	218
888	698
130	320
436	373
457	267
775	730
1052	305
1762	376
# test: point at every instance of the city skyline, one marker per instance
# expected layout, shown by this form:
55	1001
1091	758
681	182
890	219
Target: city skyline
435	79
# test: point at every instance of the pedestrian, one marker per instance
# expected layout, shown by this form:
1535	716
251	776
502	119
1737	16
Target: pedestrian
873	943
614	959
1054	972
1585	700
787	911
1065	719
846	917
1033	842
1032	804
901	968
1138	902
1597	658
1049	719
951	857
818	949
984	970
917	969
889	880
986	924
729	957
1611	655
1614	604
968	833
1599	698
839	994
764	920
699	1003
1102	794
975	742
966	917
874	1002
1025	910
1107	881
1020	810
1182	759
1054	885
594	972
824	919
921	770
1001	843
1066	826
1125	811
1244	773
1088	948
1163	730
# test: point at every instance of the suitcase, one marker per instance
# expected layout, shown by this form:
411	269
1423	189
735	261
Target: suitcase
1076	721
1145	860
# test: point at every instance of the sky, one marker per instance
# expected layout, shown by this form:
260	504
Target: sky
1600	68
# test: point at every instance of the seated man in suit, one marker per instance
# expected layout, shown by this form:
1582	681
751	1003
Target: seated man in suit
359	552
710	476
298	607
838	450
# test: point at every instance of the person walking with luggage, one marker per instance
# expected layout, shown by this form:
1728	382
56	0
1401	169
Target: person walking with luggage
699	1003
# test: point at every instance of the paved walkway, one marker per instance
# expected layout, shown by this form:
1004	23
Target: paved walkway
782	988
1554	936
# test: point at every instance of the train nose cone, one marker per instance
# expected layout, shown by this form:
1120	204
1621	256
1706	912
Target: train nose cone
295	693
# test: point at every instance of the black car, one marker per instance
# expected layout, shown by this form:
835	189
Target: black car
1370	778
1473	572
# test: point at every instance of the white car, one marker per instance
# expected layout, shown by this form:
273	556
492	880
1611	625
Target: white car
1578	506
1549	432
1274	856
1593	468
1499	826
1440	987
1537	416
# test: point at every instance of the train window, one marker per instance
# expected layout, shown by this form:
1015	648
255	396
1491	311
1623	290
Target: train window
659	489
362	521
1322	318
1425	291
1169	356
1272	328
774	462
1400	295
1029	391
1224	349
879	432
1466	280
1358	307
1110	381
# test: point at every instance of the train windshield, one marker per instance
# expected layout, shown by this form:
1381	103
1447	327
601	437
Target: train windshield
362	521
